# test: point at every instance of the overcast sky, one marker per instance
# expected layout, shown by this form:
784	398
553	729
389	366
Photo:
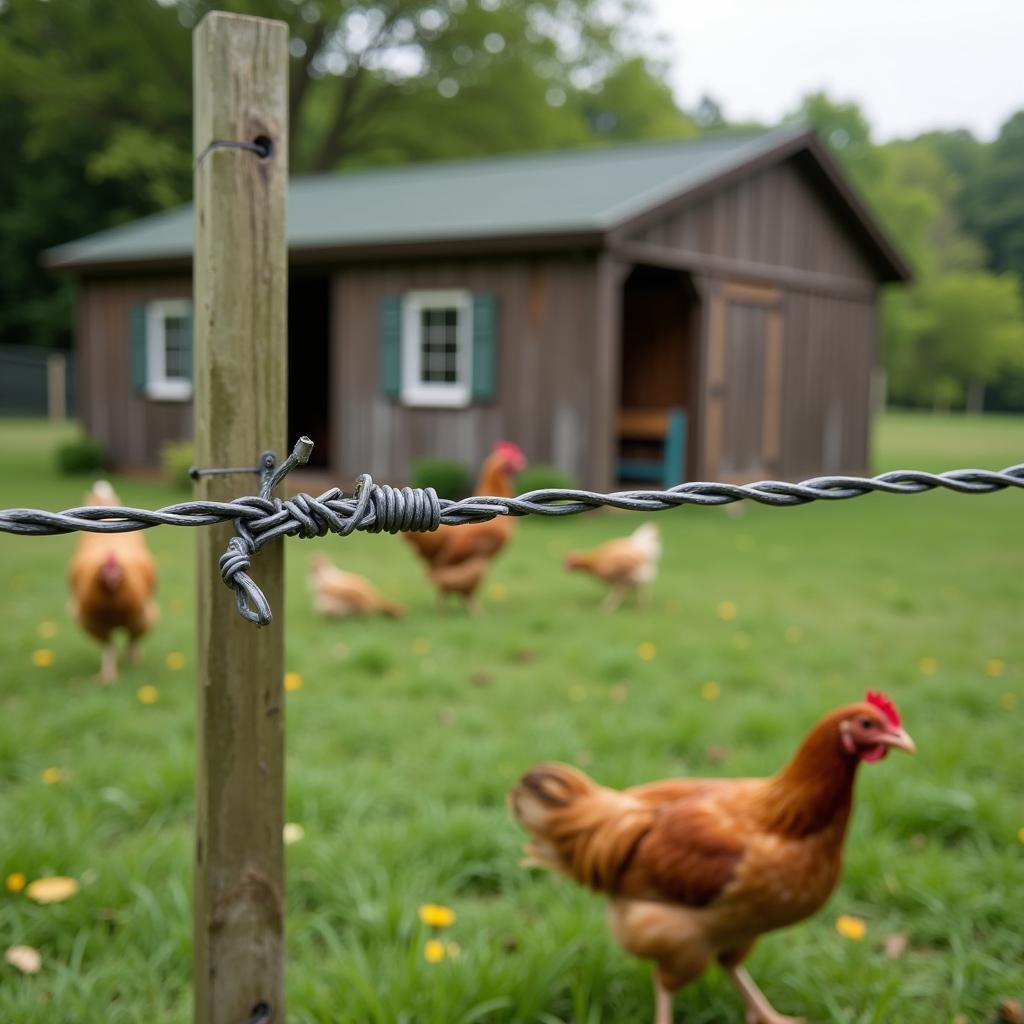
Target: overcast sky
911	64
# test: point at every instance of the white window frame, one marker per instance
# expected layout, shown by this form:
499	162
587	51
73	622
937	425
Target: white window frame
158	384
416	391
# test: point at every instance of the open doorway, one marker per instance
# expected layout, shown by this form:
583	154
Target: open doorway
658	377
309	335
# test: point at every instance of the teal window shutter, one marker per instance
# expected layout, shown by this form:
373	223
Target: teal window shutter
389	358
189	335
485	348
137	343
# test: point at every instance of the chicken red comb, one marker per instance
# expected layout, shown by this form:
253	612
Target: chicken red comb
886	706
508	448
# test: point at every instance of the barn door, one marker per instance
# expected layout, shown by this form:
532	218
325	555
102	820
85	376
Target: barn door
744	383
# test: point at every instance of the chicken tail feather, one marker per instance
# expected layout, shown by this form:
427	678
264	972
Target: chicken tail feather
579	828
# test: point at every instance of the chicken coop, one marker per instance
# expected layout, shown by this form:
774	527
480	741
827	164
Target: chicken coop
688	309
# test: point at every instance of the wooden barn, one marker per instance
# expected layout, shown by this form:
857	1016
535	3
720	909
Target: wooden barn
704	309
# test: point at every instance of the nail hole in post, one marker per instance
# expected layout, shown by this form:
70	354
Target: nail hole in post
264	146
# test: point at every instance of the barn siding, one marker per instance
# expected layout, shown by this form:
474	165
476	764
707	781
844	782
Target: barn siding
774	217
553	393
131	428
777	218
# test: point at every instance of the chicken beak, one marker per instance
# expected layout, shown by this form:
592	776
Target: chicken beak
900	738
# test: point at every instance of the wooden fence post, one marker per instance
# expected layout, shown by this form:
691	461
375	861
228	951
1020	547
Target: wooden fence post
240	272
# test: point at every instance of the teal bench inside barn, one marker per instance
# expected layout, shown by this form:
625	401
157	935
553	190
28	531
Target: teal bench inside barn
662	432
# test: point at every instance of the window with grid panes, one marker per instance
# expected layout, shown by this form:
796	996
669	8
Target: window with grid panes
436	335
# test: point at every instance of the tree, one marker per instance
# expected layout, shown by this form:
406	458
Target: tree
962	331
95	101
995	201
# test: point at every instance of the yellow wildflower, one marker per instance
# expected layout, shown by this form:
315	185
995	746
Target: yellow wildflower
435	916
726	610
1008	701
43	658
1020	836
147	694
51	775
292	681
928	665
497	592
711	690
47	630
51	890
175	661
646	651
15	881
995	667
421	645
433	951
850	927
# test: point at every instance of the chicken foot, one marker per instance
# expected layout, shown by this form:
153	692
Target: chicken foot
759	1010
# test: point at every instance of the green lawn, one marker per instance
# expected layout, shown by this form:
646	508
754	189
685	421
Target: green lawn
405	736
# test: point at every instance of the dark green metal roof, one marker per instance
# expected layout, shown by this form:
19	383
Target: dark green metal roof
562	193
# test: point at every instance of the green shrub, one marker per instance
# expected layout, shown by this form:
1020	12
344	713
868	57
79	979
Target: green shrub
542	478
80	455
449	478
177	458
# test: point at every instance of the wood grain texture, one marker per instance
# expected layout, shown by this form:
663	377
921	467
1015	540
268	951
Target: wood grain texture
131	427
240	290
557	374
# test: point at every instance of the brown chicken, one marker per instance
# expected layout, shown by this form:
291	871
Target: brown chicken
113	579
697	869
340	593
627	564
458	557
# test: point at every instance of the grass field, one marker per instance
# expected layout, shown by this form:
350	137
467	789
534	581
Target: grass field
404	737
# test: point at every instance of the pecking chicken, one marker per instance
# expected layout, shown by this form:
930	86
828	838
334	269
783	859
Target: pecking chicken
112	578
697	869
458	557
625	564
340	593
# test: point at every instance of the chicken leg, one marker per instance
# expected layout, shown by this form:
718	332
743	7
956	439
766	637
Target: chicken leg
759	1010
662	1003
108	663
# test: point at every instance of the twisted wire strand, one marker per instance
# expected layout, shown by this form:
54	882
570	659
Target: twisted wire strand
380	508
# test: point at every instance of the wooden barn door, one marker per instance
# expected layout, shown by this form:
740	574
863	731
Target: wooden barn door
744	383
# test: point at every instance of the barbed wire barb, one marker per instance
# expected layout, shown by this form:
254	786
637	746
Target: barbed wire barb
380	508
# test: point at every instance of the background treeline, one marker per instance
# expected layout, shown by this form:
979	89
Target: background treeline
95	113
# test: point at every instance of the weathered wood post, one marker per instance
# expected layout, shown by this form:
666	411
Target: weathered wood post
240	293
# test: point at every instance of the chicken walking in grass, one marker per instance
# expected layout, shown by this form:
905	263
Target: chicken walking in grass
627	564
343	594
458	557
696	870
112	578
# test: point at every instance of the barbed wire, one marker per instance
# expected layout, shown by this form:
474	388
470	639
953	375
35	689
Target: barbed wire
377	508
